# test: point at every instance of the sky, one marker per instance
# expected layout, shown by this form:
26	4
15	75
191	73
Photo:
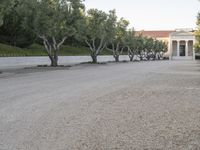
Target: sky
152	14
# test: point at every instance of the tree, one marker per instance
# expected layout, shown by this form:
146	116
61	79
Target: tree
197	34
154	48
160	48
131	44
149	46
94	31
157	46
140	45
11	31
2	10
4	7
117	32
52	21
1	18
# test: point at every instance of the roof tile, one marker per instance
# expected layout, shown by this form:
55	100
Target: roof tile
156	34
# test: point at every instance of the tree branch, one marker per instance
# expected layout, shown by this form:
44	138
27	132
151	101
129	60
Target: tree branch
54	43
86	41
113	47
117	48
47	47
109	49
105	44
61	43
100	45
93	42
121	52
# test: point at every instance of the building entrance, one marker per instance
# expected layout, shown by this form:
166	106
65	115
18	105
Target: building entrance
182	50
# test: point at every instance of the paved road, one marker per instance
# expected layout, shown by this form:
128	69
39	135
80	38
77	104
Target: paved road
139	106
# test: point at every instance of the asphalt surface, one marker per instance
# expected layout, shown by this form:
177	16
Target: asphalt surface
127	106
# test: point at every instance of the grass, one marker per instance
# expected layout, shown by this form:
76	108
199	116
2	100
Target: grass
39	50
6	50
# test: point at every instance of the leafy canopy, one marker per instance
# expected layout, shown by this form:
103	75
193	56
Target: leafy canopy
51	18
197	34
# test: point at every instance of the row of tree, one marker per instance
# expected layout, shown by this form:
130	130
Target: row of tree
55	21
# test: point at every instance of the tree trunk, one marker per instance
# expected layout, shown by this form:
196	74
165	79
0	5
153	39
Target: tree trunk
94	58
116	58
158	56
54	62
131	57
141	58
154	56
52	48
148	57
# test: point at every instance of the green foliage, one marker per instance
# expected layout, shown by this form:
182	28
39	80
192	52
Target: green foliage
197	34
111	26
52	21
132	41
12	32
144	47
39	50
6	6
94	25
51	18
121	29
2	10
149	44
64	21
7	50
117	31
94	30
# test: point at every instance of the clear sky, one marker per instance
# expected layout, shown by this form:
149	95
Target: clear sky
152	14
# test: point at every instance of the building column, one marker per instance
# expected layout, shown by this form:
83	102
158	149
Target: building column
170	45
178	48
186	48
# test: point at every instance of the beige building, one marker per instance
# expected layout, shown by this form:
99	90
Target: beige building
180	42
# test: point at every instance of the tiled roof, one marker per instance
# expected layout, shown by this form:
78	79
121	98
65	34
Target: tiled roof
156	34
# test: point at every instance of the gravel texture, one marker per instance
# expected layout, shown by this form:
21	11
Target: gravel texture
129	106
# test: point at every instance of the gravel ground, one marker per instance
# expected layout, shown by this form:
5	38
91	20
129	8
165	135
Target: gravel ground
129	106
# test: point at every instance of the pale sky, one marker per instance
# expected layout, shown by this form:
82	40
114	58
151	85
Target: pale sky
152	14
